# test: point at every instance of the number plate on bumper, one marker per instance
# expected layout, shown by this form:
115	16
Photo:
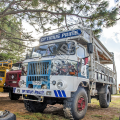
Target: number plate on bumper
42	92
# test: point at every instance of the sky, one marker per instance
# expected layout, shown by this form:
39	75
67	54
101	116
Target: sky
110	37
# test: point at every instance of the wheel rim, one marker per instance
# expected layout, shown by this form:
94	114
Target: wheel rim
81	104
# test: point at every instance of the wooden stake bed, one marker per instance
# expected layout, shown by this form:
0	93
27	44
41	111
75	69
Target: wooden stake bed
98	72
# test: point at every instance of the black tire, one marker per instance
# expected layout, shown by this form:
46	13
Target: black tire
104	99
34	106
13	96
71	109
8	116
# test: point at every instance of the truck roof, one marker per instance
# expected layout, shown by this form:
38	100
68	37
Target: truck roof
83	36
6	64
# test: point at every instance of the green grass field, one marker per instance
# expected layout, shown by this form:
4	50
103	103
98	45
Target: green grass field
94	112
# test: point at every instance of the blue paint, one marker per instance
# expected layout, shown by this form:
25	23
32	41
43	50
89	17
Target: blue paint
1	79
39	71
37	92
59	92
61	35
63	92
79	75
55	92
14	90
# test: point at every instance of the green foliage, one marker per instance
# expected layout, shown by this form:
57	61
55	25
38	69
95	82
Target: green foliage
34	3
10	33
45	15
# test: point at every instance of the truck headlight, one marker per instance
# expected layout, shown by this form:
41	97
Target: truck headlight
24	69
53	82
21	82
59	85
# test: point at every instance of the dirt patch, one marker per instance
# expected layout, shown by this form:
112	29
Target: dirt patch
94	111
4	94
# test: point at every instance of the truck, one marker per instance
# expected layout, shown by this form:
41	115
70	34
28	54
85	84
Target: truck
12	80
69	68
5	66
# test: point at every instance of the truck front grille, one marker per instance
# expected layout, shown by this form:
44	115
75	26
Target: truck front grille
39	68
39	72
12	76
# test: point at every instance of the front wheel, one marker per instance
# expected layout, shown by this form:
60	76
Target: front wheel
76	106
13	96
33	106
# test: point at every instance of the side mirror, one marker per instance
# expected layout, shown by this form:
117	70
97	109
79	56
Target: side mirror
90	48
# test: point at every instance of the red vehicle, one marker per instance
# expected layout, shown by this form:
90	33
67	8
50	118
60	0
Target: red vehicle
12	80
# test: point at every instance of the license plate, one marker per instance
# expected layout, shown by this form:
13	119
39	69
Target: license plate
37	82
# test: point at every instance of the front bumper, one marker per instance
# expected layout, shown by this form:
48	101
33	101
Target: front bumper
42	92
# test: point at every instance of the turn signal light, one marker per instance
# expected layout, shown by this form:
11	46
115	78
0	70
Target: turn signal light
72	73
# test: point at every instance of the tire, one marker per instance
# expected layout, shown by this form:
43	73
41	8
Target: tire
33	106
104	99
13	96
8	116
72	106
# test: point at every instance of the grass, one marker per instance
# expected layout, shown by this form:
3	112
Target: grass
99	116
115	118
39	116
114	115
116	95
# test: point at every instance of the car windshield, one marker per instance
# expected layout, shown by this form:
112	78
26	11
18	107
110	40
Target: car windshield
60	48
16	66
2	73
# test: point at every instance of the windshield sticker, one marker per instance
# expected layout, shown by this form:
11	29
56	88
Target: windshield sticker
59	48
67	34
60	67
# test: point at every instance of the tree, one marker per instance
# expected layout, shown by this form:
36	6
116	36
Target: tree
12	37
46	13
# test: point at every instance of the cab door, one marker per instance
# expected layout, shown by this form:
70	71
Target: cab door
81	53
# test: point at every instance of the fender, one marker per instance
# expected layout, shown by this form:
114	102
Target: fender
104	89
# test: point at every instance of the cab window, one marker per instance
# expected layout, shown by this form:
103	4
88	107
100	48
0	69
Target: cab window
80	52
2	74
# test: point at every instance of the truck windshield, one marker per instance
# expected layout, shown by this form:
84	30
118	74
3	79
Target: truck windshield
2	73
66	48
16	66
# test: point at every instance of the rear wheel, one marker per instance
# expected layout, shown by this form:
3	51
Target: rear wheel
76	106
33	106
104	99
13	96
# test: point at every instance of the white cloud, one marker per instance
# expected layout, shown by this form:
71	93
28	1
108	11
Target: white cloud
112	33
111	4
28	28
